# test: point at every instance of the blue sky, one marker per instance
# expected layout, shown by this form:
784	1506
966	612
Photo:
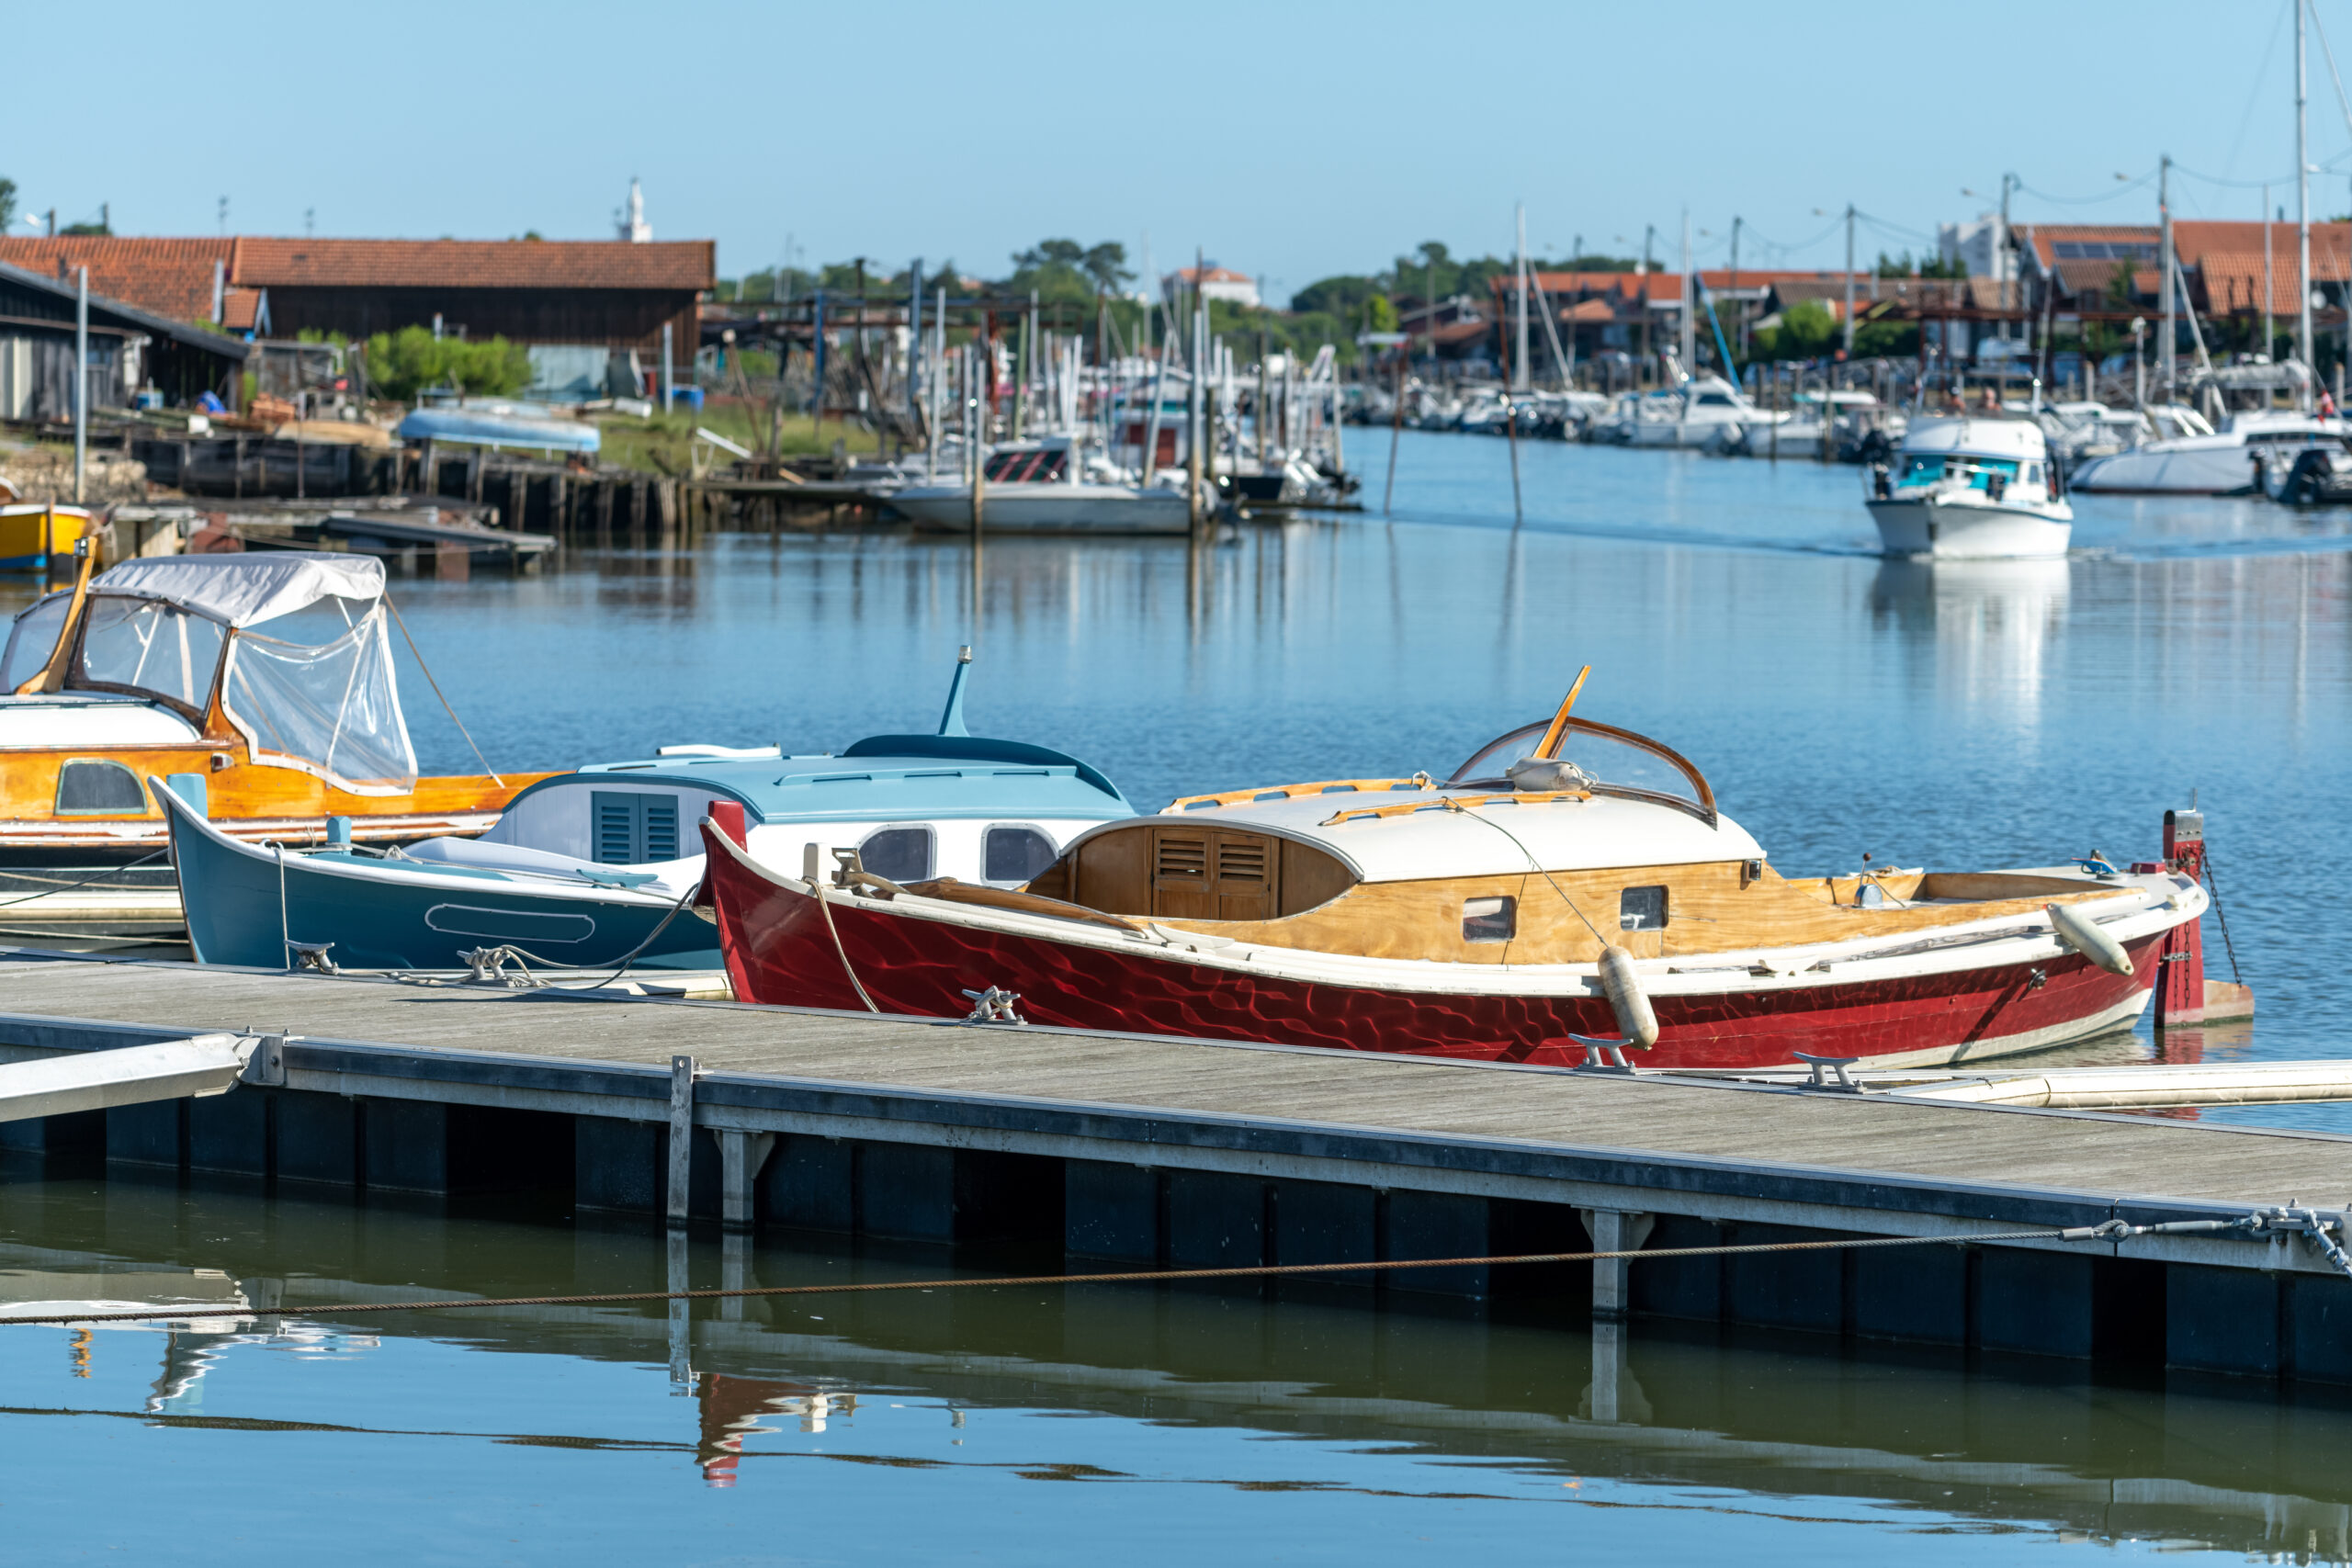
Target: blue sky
1292	141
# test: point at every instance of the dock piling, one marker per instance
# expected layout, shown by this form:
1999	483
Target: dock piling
682	1139
1613	1230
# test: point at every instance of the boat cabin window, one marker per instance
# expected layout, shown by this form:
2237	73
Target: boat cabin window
1713	401
1009	467
92	786
628	828
147	646
898	854
1013	854
1617	761
32	640
1642	909
1489	919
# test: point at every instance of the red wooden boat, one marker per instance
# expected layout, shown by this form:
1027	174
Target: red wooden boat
1571	883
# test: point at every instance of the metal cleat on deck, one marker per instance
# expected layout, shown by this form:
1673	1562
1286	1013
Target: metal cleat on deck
995	1005
1838	1064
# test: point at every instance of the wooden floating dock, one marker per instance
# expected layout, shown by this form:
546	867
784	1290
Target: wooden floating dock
1200	1154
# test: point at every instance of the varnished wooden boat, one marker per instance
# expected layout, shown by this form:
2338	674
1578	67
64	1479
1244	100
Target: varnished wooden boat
1474	919
272	675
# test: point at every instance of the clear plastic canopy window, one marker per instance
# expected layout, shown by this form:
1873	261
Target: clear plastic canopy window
327	706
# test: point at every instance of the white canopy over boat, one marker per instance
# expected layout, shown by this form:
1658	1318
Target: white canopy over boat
320	696
240	590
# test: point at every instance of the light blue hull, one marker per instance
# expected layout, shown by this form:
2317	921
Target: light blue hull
245	904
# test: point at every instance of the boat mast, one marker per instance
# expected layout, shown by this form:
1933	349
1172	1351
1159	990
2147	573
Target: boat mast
2165	300
2302	223
1518	377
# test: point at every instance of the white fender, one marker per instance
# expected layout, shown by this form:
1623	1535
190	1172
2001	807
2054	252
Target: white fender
2083	935
1635	1022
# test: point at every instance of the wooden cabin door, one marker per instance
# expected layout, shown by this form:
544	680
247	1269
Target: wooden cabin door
1206	874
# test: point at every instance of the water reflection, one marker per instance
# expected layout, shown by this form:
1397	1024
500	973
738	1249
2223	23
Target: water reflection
1480	1406
1983	631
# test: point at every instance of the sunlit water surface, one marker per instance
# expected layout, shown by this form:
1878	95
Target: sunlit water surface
1957	715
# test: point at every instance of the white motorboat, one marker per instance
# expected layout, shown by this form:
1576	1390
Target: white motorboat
1047	487
1706	411
1969	487
2210	462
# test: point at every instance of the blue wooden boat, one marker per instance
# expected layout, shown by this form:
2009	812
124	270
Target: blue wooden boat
601	867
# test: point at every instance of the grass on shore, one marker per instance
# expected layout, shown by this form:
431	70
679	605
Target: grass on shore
662	445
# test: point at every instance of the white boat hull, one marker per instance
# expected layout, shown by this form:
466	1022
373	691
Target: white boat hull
2211	470
1970	530
1023	508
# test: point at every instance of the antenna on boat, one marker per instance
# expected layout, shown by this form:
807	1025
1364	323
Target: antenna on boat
952	721
1553	736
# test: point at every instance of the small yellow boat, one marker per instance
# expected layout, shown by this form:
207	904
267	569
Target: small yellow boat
36	536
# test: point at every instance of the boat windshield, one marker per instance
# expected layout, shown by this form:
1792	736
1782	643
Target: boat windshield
32	641
1928	469
151	648
315	691
1617	761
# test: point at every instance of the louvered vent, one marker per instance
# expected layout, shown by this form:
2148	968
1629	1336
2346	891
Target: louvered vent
1185	858
662	828
1241	863
616	829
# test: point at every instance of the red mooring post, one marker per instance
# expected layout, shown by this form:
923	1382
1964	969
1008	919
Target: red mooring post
2180	975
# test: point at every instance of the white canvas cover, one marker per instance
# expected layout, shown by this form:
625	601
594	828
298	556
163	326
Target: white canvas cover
331	708
243	590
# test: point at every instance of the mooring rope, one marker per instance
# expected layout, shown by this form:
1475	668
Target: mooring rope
75	886
1140	1276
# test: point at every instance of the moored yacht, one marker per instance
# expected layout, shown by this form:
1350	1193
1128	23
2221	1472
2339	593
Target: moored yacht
1047	487
1706	411
1967	487
1573	886
2210	462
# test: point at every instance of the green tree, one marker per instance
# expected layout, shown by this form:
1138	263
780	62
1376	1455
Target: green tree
1804	330
1341	295
7	205
1380	316
412	360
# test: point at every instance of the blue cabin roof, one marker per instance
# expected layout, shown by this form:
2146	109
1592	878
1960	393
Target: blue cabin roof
897	776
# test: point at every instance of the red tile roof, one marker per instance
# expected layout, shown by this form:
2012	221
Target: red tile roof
474	264
2227	259
174	277
171	278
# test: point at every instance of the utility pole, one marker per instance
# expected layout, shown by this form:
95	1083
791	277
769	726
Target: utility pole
2001	253
1850	280
1690	298
81	382
1518	379
1737	304
2166	303
2302	223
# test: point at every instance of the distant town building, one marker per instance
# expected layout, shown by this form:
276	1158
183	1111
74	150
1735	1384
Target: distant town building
579	305
1980	246
1215	283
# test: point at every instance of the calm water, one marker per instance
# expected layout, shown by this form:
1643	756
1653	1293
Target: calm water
1032	1427
1952	717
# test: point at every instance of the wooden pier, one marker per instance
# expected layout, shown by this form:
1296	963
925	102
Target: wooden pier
1198	1154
